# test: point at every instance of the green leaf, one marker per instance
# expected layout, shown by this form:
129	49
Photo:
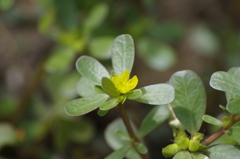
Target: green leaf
8	135
211	120
92	69
109	104
122	54
183	155
60	59
157	94
115	142
154	118
223	151
234	133
190	100
6	4
157	55
100	47
141	148
227	82
199	156
134	94
95	17
109	87
84	105
85	87
122	135
235	71
233	106
102	112
119	153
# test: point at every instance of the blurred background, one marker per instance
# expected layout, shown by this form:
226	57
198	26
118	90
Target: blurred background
40	41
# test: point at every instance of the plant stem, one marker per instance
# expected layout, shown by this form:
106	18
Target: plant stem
221	131
128	126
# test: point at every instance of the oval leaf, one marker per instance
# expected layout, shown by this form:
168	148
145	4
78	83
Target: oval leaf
233	106
109	87
122	54
119	153
84	105
102	112
183	155
85	87
235	71
190	100
234	133
92	69
154	118
226	82
223	151
211	120
157	94
141	148
109	104
134	94
199	156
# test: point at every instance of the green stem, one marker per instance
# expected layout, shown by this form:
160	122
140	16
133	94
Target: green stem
128	126
221	131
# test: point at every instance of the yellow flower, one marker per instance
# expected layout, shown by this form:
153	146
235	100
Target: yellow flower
123	83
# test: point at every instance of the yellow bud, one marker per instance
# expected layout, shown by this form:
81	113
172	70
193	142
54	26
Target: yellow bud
193	145
182	143
170	150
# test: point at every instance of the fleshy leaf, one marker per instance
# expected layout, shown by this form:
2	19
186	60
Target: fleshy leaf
233	106
109	87
183	155
134	94
190	100
154	118
85	87
226	82
115	142
119	153
102	112
157	94
92	69
122	135
211	120
234	133
122	54
109	104
84	105
223	151
235	71
141	148
199	156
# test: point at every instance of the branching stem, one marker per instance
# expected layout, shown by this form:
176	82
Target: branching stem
221	131
128	126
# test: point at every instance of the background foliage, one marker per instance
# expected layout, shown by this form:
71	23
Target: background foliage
41	40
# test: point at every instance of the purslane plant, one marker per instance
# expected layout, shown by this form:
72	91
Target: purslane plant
112	90
182	102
